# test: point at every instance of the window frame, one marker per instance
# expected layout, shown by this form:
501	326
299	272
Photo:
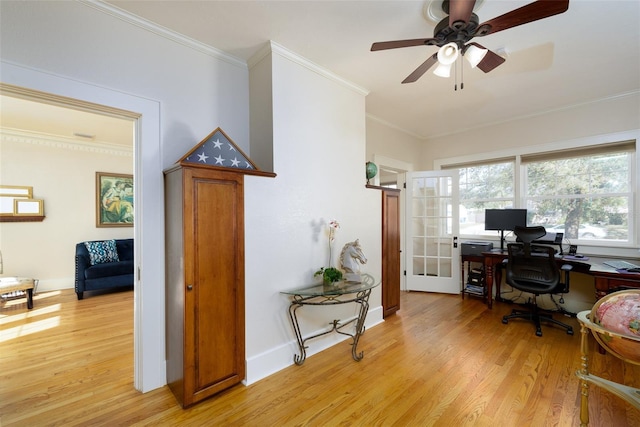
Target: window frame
570	147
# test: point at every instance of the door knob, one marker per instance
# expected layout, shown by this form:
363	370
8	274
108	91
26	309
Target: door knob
189	287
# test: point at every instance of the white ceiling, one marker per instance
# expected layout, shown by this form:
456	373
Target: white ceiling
41	119
588	53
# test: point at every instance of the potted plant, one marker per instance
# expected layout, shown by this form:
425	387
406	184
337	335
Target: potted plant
329	275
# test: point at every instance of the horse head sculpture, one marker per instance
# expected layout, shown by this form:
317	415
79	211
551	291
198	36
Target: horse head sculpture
350	259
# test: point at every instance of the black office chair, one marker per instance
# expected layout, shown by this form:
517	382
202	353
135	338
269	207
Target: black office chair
533	269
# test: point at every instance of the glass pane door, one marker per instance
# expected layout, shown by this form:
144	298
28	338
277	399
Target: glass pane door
433	259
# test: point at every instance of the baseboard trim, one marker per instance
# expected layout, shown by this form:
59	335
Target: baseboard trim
269	362
53	285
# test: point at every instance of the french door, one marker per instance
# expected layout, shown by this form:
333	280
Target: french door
433	254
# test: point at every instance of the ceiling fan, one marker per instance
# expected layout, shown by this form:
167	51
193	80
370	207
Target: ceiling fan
453	34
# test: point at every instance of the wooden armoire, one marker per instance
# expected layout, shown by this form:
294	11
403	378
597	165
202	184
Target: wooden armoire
204	232
390	249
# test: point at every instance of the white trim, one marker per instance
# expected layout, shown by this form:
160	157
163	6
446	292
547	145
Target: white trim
164	32
278	358
149	297
57	141
395	164
541	148
532	115
392	126
294	57
499	122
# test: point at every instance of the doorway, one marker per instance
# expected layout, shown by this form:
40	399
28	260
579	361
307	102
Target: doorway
26	83
392	174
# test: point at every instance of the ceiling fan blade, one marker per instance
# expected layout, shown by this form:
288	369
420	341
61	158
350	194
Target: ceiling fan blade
532	12
403	43
460	11
490	61
421	69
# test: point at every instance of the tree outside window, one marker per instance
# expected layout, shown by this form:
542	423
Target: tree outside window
585	194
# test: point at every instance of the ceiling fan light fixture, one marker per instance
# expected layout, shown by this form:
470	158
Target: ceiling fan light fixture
443	70
474	55
448	54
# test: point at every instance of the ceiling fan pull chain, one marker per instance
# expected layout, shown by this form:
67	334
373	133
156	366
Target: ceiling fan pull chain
455	73
461	73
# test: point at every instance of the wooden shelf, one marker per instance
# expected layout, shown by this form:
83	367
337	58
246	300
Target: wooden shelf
378	187
22	218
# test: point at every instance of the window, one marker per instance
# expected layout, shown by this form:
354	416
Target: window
486	186
585	193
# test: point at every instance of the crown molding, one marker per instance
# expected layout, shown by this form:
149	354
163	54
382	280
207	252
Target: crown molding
273	47
164	32
56	141
559	109
393	126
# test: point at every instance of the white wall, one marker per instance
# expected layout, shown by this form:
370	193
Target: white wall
198	87
63	175
319	157
183	90
83	51
387	141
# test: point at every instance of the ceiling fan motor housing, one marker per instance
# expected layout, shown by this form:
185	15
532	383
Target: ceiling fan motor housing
460	33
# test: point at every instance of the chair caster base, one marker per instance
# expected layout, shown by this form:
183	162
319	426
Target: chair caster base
536	318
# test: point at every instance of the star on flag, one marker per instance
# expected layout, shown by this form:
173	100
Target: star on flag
211	149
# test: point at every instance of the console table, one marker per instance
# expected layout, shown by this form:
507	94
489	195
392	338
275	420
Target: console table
327	295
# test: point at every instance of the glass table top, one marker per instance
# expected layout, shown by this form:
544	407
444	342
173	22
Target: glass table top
340	288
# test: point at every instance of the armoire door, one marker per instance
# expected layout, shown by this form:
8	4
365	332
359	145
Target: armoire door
214	356
390	251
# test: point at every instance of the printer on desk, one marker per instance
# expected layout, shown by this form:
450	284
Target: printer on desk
475	248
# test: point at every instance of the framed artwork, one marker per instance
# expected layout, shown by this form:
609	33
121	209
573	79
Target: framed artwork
9	194
114	200
28	207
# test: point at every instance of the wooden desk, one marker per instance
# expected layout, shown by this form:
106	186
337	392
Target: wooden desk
606	278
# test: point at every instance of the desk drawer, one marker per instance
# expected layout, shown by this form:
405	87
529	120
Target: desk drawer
605	285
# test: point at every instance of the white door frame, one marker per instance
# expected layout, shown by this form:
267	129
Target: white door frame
149	292
437	233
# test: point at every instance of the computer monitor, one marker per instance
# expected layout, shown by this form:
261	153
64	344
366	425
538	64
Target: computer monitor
504	219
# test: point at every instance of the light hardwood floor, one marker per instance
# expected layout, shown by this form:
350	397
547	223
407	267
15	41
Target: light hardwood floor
440	361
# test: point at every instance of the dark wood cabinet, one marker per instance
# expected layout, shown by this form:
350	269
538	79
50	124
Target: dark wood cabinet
390	251
205	281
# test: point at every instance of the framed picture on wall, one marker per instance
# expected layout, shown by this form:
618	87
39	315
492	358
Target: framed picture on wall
114	200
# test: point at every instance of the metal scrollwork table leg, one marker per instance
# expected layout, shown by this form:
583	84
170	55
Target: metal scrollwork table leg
361	298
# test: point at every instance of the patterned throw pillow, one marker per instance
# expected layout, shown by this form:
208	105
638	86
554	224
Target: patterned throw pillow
102	251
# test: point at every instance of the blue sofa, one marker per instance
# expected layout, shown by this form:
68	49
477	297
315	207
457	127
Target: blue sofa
103	274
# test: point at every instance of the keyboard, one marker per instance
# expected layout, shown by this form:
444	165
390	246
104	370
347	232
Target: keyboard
620	265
